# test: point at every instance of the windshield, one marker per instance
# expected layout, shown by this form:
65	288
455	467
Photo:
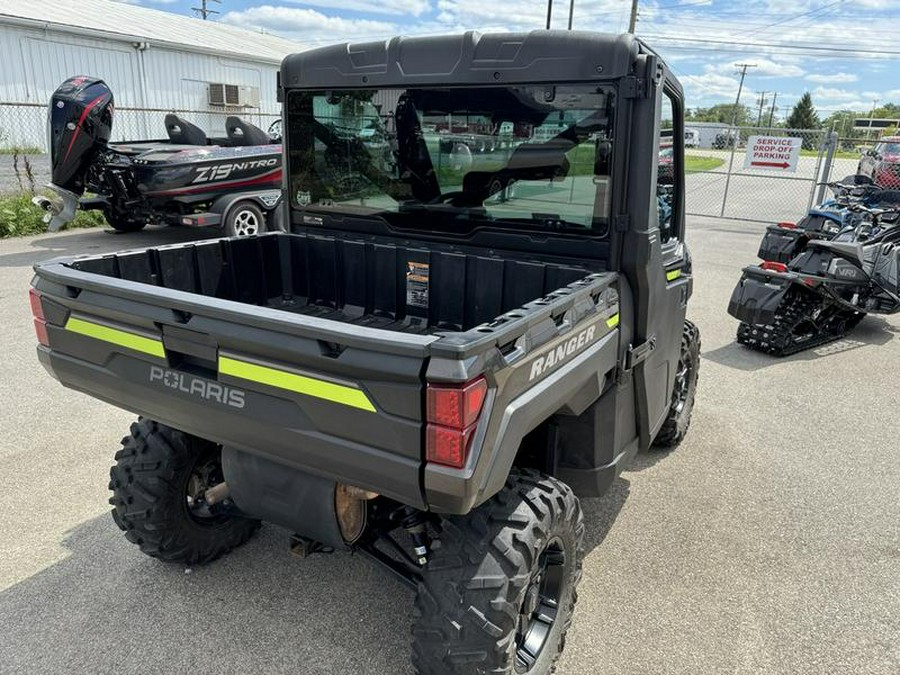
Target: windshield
889	148
507	156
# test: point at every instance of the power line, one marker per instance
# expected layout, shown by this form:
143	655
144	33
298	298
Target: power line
796	16
777	45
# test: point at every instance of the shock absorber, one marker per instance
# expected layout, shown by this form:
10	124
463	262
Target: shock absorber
415	524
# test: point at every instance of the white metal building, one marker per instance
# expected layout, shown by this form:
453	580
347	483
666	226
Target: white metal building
153	61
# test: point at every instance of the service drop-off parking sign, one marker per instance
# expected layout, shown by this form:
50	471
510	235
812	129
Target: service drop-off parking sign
775	153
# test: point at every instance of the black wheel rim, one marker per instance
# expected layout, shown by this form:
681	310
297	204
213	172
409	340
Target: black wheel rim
682	390
541	606
206	472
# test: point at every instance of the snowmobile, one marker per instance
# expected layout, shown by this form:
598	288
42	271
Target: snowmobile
824	291
783	241
187	178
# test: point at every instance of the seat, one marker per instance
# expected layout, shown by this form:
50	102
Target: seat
182	132
540	161
243	133
848	251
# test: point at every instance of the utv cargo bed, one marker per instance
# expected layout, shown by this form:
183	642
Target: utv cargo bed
315	350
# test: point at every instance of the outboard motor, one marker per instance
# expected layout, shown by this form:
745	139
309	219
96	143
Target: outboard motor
80	124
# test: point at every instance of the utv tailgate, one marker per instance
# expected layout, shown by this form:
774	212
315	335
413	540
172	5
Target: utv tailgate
340	401
311	386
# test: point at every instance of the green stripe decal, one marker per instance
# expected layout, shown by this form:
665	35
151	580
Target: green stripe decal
116	336
673	275
309	386
613	321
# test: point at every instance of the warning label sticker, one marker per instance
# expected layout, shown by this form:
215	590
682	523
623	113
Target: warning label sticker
417	284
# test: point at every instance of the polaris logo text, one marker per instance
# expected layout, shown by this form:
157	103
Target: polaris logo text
563	352
223	171
210	391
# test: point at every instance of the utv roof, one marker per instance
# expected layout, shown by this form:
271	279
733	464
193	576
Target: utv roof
543	56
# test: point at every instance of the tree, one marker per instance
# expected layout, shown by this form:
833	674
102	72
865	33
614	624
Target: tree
889	111
803	116
842	122
723	112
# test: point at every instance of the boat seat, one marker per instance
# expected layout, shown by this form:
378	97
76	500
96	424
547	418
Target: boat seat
243	133
182	132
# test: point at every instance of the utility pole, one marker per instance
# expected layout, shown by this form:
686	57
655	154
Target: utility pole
871	119
549	12
571	12
737	101
634	15
204	11
762	102
772	111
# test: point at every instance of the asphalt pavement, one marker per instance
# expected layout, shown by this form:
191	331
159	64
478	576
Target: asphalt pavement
769	542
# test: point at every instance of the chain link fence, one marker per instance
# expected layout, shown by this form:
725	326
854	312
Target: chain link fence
24	163
722	183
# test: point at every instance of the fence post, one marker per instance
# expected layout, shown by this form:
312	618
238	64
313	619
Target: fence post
831	143
737	140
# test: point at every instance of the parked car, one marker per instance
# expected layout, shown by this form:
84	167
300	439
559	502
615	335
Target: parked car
666	171
882	163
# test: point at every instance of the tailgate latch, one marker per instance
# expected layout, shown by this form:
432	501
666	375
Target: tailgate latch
636	355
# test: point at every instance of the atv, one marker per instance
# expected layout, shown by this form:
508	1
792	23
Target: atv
187	179
823	292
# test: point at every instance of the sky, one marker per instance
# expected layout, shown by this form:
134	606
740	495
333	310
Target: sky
844	52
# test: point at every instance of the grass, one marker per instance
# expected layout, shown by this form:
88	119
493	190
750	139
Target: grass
840	154
21	150
19	217
697	163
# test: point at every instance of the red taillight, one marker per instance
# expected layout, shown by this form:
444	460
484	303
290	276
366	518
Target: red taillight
447	446
774	266
452	413
788	226
37	310
456	406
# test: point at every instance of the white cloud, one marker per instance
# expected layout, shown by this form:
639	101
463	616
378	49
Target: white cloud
399	7
834	94
709	87
832	78
518	15
308	26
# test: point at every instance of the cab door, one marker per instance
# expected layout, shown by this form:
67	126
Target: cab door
654	257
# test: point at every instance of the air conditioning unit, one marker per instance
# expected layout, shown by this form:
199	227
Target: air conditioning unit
233	95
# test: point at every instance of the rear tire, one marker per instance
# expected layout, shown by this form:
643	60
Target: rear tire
502	579
681	406
157	483
245	219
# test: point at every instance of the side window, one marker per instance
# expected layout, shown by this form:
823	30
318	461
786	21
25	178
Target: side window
669	182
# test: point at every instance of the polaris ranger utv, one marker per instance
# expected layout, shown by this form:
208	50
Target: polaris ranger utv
427	368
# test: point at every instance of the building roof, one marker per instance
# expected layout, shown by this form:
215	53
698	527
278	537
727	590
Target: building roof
132	23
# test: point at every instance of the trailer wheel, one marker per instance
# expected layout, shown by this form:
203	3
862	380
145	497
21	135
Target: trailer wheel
245	219
124	223
499	591
158	485
678	419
